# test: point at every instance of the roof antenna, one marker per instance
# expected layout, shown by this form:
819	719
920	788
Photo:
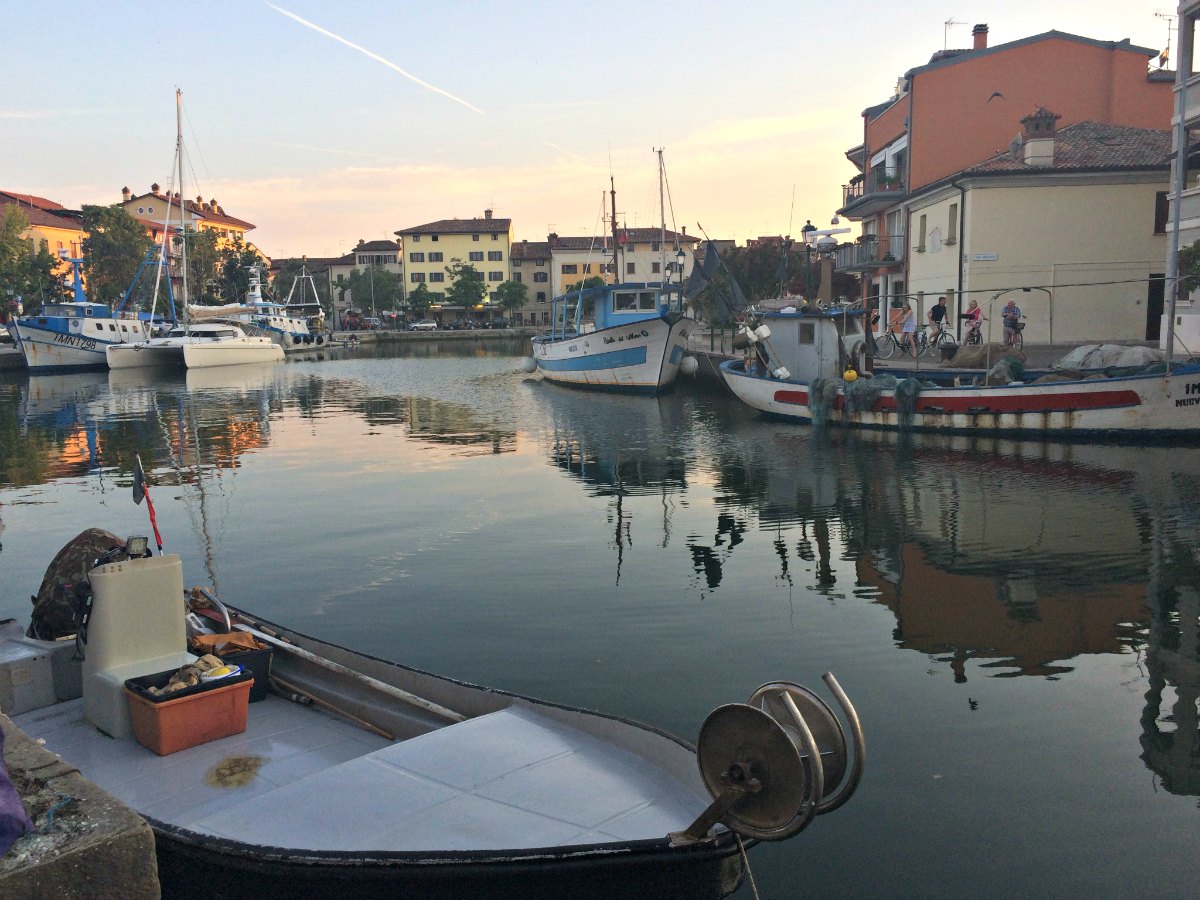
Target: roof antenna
948	24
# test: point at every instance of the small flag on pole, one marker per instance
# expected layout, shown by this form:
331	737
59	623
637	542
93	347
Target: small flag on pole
141	490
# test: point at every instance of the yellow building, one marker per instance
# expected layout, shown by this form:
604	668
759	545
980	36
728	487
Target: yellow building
1072	225
430	249
51	225
203	215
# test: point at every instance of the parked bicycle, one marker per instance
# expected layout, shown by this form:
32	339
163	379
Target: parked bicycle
1015	337
891	343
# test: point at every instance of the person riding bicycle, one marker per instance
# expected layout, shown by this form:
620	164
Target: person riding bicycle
937	318
1011	315
974	316
908	330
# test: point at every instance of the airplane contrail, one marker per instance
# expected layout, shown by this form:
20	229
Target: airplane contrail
375	56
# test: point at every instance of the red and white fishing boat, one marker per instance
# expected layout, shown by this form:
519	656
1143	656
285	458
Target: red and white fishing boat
798	363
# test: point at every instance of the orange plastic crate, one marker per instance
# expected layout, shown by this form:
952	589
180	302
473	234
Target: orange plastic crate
173	725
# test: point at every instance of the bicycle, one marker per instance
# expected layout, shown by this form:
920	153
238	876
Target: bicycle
936	337
886	346
1017	339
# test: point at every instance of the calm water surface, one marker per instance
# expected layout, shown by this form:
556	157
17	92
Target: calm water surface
1017	623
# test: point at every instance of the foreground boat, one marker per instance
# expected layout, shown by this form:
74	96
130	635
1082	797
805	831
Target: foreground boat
799	366
74	334
195	346
357	776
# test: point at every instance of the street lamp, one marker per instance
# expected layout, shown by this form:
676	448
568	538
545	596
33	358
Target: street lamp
806	236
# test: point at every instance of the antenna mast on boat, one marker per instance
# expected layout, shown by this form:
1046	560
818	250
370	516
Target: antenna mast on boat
182	201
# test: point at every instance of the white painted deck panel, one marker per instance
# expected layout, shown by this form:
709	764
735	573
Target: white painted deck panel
508	780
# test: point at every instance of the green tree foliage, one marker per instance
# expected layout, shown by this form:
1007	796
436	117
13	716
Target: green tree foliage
769	270
114	247
29	273
420	299
233	271
203	258
466	285
374	288
512	295
1189	267
592	281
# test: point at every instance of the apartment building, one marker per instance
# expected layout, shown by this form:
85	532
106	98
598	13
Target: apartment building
203	215
51	225
531	266
431	248
964	106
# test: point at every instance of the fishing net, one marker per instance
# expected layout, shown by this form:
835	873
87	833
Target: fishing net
907	390
862	395
821	395
1006	370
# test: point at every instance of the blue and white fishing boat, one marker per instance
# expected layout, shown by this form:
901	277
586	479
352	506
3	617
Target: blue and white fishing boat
74	334
624	337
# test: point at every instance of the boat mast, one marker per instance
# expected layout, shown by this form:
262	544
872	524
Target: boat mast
182	201
662	211
613	194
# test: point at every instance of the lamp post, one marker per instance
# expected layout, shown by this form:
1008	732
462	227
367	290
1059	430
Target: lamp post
806	236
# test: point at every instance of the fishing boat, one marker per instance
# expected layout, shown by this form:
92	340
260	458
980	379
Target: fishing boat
296	326
358	776
76	333
190	345
629	337
809	364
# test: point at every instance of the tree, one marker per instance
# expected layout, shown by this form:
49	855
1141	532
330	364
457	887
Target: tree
512	295
1189	268
589	299
202	257
466	285
29	273
114	247
420	300
233	267
374	287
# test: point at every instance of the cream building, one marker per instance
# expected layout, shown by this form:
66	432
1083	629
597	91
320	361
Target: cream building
431	248
1076	216
642	257
531	266
51	225
203	215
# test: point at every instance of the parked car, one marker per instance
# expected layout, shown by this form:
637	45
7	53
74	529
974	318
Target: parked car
424	325
496	323
371	323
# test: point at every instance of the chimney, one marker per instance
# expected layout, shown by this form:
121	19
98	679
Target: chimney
487	213
1038	137
154	188
980	32
126	194
685	231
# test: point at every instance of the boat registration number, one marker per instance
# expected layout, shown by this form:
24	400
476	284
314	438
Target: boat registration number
71	340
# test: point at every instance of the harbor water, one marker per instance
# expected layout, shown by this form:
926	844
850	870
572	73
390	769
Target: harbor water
1017	623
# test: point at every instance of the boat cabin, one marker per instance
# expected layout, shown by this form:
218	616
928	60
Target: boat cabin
610	306
811	342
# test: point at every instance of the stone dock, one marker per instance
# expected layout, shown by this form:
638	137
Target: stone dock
84	844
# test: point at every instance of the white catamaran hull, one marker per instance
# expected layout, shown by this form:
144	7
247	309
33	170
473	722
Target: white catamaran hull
145	354
231	353
640	356
1136	405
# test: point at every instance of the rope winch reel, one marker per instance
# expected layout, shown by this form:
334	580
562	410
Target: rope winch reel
775	762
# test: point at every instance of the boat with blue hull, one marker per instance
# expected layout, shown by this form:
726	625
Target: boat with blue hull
74	334
636	341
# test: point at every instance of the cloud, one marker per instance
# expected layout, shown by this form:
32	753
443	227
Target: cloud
375	56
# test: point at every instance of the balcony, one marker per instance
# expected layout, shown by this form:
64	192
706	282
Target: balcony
871	251
881	188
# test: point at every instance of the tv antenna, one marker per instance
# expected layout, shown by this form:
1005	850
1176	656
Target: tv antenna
948	24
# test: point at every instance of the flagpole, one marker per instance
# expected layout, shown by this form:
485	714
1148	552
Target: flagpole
141	489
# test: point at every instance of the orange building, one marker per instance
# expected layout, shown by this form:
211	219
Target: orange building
963	107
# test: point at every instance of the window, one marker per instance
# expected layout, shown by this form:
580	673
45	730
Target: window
920	248
570	269
952	225
476	255
495	237
587	268
416	277
611	268
433	237
141	210
540	277
474	237
635	301
495	256
437	276
655	268
630	268
655	246
435	256
416	239
416	257
495	276
541	296
517	277
516	262
1161	212
541	262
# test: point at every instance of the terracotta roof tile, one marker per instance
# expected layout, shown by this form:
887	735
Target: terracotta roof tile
530	250
378	245
42	217
461	226
31	200
1093	146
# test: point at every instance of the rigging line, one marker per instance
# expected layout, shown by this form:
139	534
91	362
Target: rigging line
670	203
196	142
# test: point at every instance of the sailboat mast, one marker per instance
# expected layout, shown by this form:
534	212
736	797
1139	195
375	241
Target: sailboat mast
662	210
182	198
613	194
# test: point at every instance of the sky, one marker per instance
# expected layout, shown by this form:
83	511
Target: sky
324	122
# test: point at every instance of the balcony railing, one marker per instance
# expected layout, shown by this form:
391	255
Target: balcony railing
870	251
880	180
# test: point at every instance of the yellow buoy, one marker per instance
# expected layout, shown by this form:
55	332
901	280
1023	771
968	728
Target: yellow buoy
850	375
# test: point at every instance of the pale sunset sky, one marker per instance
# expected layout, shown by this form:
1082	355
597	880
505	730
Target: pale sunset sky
325	122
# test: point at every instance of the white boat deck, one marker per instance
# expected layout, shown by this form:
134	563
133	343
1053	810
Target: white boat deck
511	779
